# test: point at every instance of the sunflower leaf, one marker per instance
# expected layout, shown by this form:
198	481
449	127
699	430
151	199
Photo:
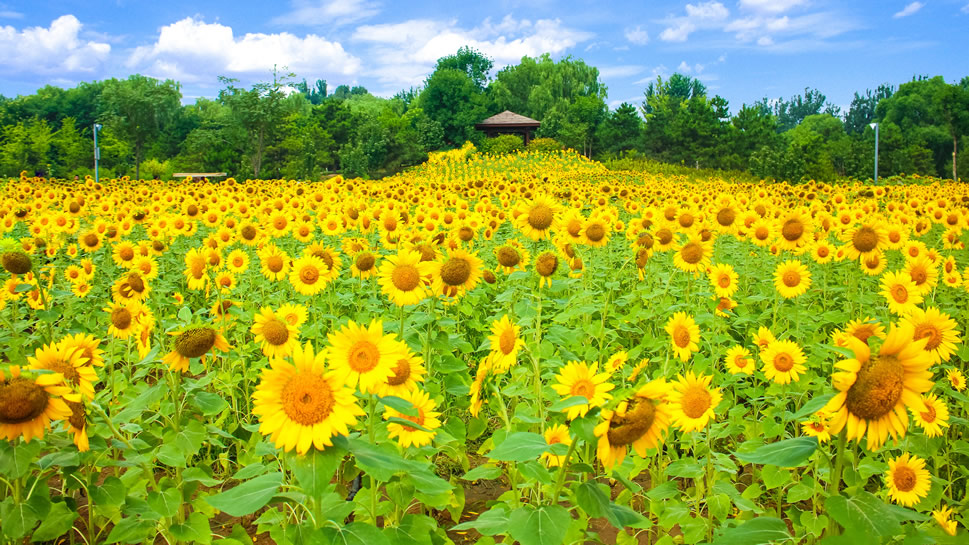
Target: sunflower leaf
408	423
564	404
248	497
755	532
863	514
518	447
400	405
787	453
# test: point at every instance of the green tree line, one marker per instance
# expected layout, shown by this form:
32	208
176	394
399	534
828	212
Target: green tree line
284	128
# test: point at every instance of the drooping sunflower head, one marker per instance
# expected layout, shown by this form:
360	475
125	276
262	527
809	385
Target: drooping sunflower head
29	404
16	262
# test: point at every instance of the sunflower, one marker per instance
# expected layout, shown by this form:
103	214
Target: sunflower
364	264
874	392
276	335
456	273
69	362
292	314
301	404
274	264
595	232
616	361
88	345
692	401
28	405
309	275
426	418
938	329
738	361
783	362
330	258
237	261
943	517
194	343
403	277
865	240
817	427
923	272
505	344
537	217
363	357
934	418
546	264
795	230
557	434
640	421
763	337
908	480
792	278
724	279
195	269
693	255
822	252
76	424
407	372
511	256
684	335
956	379
123	254
900	292
865	329
578	378
124	318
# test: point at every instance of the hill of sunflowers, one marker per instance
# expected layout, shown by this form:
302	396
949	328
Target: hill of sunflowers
527	348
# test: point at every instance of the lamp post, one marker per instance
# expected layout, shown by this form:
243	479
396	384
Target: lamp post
97	151
875	126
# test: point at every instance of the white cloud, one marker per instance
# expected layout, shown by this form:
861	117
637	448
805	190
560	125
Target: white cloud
621	71
771	6
677	33
637	36
10	14
405	53
192	50
327	12
965	8
765	41
909	10
54	50
707	10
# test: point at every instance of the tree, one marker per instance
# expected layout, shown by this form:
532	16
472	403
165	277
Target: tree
750	130
451	98
683	125
954	104
790	113
137	108
861	113
316	94
621	130
470	61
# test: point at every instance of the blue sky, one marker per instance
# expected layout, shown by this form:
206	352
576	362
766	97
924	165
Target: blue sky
743	50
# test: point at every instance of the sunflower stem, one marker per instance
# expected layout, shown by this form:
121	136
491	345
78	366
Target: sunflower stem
562	470
834	484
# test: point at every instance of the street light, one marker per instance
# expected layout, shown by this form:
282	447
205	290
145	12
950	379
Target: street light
97	151
875	126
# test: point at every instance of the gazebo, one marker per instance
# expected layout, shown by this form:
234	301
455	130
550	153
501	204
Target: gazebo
508	122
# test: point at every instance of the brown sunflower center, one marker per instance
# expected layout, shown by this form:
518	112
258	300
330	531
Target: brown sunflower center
877	388
455	271
761	233
929	415
135	283
793	230
21	400
16	262
363	356
365	261
791	278
726	217
645	240
696	401
740	362
405	277
899	293
327	258
783	362
692	253
930	332
507	341
489	277
275	332
121	318
465	233
574	227
309	274
274	263
823	251
248	232
642	257
624	430
540	217
724	281
196	342
307	399
686	219
919	275
665	236
126	253
904	478
595	232
508	256
865	239
78	418
546	264
401	373
681	336
90	240
583	387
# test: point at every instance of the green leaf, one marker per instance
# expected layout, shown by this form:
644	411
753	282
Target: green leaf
686	468
755	532
194	530
562	405
314	470
18	518
380	462
197	474
400	405
16	457
787	453
535	471
813	406
248	497
21	288
545	525
405	422
484	471
130	530
518	447
489	523
165	503
57	522
209	403
412	530
863	513
355	533
110	493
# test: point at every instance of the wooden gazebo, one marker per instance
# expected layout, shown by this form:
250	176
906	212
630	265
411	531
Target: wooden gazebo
508	122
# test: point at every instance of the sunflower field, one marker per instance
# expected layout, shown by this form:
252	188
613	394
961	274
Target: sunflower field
520	349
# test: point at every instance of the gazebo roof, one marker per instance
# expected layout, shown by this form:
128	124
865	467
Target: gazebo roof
507	119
